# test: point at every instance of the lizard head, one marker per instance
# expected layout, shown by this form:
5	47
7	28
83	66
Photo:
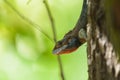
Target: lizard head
67	45
70	43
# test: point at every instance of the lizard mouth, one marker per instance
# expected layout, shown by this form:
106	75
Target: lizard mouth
64	50
67	48
59	50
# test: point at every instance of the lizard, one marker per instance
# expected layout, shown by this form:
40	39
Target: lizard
74	38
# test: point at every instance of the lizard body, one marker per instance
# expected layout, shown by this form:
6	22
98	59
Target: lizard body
74	38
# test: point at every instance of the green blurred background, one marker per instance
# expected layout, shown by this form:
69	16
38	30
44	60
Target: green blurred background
26	53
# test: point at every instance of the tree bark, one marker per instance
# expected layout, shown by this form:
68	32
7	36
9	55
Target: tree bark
103	31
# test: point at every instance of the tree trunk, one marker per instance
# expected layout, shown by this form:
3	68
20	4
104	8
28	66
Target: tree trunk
103	31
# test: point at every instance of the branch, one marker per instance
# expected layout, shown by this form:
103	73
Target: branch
55	39
51	19
26	19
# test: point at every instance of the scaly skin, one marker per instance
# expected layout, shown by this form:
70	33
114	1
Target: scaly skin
75	38
68	44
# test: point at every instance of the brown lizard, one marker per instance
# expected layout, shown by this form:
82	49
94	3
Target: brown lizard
74	38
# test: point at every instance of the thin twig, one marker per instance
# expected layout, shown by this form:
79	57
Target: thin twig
55	38
61	67
51	19
26	19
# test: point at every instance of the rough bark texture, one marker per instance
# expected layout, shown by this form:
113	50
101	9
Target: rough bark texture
113	23
102	56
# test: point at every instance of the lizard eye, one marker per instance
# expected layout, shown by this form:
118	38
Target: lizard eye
69	41
60	43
